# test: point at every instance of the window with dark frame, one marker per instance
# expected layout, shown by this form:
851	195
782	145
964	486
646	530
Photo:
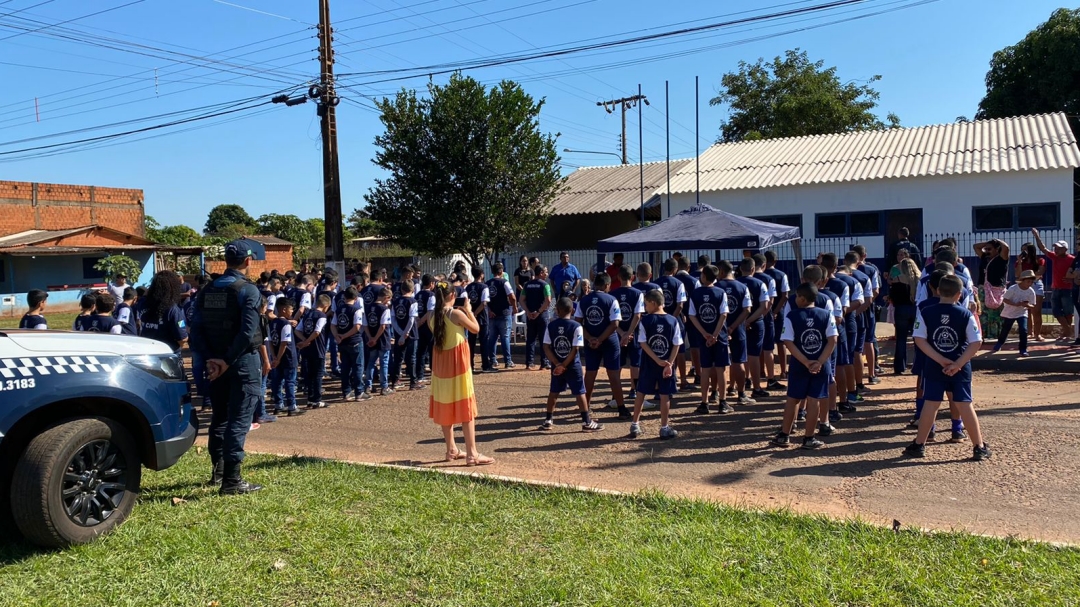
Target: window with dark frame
89	273
3	271
862	224
831	224
1045	215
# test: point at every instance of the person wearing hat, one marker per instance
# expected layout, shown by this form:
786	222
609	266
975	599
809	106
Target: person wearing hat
1017	302
226	334
117	286
1061	300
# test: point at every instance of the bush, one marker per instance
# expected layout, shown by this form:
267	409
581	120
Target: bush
115	265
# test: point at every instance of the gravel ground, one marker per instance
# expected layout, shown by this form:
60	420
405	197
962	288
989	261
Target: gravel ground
1028	489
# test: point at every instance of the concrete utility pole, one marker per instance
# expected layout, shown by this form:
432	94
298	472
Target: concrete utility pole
327	99
625	103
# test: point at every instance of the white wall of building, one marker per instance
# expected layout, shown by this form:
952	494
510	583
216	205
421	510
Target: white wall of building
946	201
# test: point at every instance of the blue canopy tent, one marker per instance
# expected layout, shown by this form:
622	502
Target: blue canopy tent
704	227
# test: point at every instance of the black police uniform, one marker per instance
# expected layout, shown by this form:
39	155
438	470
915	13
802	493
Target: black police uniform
226	326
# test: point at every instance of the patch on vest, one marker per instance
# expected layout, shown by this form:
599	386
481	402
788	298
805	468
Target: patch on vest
215	301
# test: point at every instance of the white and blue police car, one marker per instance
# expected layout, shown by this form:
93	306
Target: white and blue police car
80	415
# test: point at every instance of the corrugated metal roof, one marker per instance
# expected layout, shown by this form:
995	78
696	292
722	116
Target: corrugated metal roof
611	188
42	250
36	236
269	240
1021	143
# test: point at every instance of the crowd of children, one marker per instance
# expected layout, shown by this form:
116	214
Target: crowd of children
734	330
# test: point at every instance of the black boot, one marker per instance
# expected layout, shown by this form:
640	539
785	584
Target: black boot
217	475
234	485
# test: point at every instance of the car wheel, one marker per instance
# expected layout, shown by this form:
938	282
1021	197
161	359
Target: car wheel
75	481
8	531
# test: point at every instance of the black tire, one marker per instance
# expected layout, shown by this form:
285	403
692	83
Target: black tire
95	461
8	531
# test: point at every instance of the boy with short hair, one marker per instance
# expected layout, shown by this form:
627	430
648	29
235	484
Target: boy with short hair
810	335
34	318
660	338
599	315
283	348
425	307
563	338
86	309
102	321
535	301
949	337
378	341
771	336
1018	301
870	351
631	306
708	315
312	346
739	306
348	330
850	293
479	295
125	315
755	330
501	305
783	288
405	335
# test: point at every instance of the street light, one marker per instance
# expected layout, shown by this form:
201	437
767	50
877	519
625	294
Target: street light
569	151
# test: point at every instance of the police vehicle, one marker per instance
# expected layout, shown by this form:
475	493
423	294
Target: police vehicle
80	415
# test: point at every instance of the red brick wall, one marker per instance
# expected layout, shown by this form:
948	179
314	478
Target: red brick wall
47	206
277	258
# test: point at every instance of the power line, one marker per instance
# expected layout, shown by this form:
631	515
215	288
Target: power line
101	12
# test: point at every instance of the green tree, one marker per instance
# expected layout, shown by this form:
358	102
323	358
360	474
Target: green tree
316	230
115	265
469	170
226	215
791	96
286	227
1038	75
151	228
360	224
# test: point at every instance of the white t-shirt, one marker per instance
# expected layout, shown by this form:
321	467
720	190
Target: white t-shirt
1015	293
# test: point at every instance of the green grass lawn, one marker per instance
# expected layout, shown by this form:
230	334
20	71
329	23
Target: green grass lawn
59	320
326	533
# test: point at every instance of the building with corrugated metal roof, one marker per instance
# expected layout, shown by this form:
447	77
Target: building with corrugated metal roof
603	201
967	177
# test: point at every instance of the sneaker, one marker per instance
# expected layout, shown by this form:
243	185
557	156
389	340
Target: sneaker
846	408
958	436
687	388
810	443
1024	355
611	404
802	415
648	405
667	432
995	349
294	412
491	370
509	365
759	394
625	413
635	430
780	440
873	381
592	426
278	412
731	391
267	419
254	426
746	400
702	409
861	389
632	396
387	391
749	384
547	425
774	385
714	397
980	453
323	405
914	423
414	386
878	371
835	416
856	398
725	407
825	429
932	436
915	450
363	396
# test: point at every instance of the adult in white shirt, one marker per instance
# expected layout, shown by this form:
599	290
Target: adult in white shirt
1019	299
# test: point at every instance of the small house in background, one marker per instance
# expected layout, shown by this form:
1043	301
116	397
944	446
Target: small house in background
279	256
604	201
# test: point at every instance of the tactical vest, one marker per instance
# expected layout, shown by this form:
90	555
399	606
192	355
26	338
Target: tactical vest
219	314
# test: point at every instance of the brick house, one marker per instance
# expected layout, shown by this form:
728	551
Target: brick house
279	256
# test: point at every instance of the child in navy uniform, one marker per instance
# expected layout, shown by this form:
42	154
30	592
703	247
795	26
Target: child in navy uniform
405	335
479	296
563	339
348	330
283	348
949	337
311	333
755	330
125	315
34	318
535	301
86	308
599	313
377	340
425	307
660	338
102	321
708	315
739	305
810	335
631	306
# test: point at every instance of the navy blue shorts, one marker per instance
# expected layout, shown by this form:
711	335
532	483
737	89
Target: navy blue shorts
682	329
804	384
917	364
737	346
630	356
755	338
778	329
652	381
571	379
959	387
768	342
871	326
716	355
859	339
843	351
608	353
692	338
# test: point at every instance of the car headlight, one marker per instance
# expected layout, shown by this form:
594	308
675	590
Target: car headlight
166	367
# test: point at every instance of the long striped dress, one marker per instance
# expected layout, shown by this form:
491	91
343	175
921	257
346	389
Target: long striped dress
452	398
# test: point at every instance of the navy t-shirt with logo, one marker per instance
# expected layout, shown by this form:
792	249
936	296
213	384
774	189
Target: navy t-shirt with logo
314	321
171	330
662	333
631	301
562	335
348	316
404	309
281	332
809	330
708	304
597	310
478	295
33	321
499	292
534	293
379	315
759	291
949	329
674	292
738	298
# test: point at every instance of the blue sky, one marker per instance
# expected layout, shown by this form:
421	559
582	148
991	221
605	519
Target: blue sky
932	58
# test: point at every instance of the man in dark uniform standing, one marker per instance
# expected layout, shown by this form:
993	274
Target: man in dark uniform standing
226	334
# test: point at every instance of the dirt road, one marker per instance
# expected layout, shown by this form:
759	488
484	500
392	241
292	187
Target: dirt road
1029	488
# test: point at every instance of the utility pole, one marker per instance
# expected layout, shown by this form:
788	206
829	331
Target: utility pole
625	103
327	99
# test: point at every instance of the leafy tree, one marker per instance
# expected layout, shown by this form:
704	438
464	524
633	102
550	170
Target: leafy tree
226	215
176	236
470	171
286	227
316	230
360	224
151	228
232	232
791	96
1038	75
115	265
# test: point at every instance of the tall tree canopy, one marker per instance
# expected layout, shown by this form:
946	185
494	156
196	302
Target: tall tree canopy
791	96
226	215
360	224
286	227
1039	74
470	171
176	236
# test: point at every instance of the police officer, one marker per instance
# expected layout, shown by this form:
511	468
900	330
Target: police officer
226	334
